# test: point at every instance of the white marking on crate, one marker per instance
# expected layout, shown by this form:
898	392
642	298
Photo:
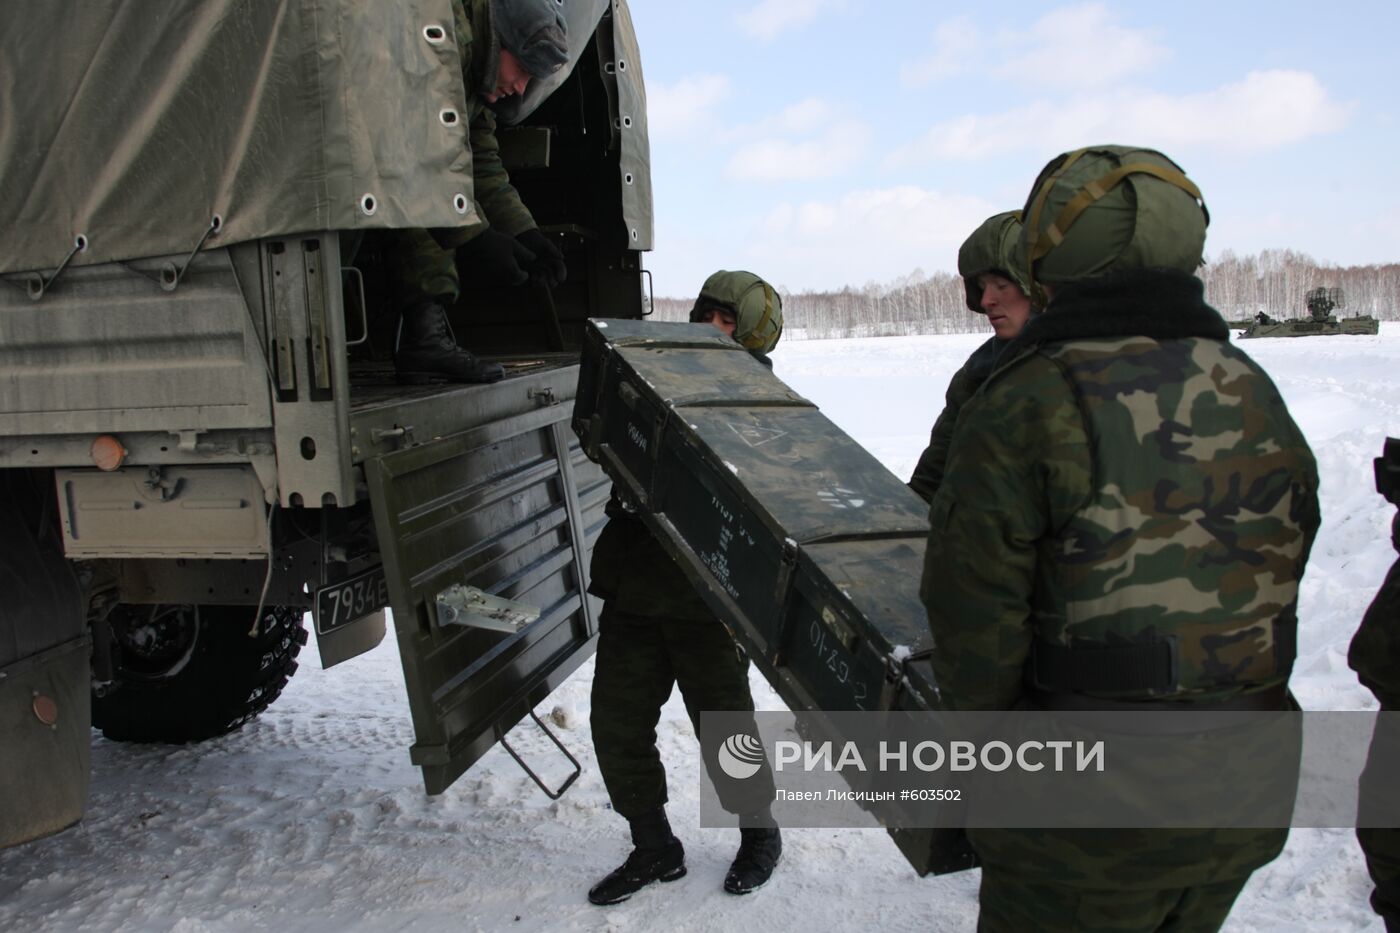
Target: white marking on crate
839	497
755	436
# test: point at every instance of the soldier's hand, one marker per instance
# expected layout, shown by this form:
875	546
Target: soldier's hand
496	259
548	267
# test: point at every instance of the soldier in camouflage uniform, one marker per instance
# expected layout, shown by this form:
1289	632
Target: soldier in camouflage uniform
1375	656
1123	524
995	287
656	632
503	45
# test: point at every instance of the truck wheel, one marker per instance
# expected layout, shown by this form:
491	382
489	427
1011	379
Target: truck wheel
188	673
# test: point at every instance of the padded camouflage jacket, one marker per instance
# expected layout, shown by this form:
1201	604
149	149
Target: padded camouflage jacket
1126	475
928	473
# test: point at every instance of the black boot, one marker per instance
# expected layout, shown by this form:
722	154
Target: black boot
426	351
658	856
759	851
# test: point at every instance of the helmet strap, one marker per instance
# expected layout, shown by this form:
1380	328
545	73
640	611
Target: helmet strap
1032	225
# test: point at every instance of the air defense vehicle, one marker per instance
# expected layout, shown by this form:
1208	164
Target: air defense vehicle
202	444
1320	322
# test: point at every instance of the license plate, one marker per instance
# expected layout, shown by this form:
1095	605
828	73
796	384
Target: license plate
342	603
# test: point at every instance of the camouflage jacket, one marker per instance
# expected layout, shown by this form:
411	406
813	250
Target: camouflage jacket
497	202
1126	475
928	473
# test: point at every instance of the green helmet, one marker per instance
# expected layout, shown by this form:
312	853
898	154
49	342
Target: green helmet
756	306
1106	208
993	247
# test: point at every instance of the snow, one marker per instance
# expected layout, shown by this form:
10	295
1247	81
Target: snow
313	819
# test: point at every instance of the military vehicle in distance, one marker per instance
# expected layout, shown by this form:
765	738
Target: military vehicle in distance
1320	322
201	439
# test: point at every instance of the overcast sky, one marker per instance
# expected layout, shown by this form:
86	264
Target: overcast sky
823	143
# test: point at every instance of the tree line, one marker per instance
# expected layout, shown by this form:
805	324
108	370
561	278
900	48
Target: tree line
1239	287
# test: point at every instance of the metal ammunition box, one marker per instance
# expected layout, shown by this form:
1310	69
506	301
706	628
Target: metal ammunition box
802	543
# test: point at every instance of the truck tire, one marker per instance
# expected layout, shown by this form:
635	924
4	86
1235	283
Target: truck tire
187	673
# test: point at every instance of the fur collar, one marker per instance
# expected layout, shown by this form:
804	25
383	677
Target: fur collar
1160	303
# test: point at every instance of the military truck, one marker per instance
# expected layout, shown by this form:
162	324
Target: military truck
201	440
1320	322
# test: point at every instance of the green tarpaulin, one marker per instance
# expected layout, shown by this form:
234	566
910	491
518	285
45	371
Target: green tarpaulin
134	125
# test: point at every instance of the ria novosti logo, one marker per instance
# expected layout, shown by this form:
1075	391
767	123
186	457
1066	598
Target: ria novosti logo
741	756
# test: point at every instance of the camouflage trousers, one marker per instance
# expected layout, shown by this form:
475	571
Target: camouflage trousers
1011	905
423	270
639	659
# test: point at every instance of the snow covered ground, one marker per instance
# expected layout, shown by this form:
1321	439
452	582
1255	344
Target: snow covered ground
312	818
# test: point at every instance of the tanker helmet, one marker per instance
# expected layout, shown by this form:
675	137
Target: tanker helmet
756	306
992	248
1104	209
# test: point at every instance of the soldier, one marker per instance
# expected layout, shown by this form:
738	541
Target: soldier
503	46
656	632
1123	524
1375	656
995	287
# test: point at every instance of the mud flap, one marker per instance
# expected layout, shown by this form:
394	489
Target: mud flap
45	723
507	507
45	712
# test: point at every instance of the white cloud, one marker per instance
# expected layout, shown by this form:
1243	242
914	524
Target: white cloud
1074	46
771	18
836	149
1081	46
686	108
955	46
1266	110
866	235
803	116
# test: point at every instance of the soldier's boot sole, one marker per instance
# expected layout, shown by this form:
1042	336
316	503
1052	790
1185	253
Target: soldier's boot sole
675	874
643	866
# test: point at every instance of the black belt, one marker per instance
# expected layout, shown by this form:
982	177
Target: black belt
1150	666
1128	667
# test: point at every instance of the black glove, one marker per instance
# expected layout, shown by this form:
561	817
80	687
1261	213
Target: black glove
496	259
548	267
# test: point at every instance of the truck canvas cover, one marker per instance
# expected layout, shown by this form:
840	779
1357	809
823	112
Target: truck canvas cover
803	544
128	128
